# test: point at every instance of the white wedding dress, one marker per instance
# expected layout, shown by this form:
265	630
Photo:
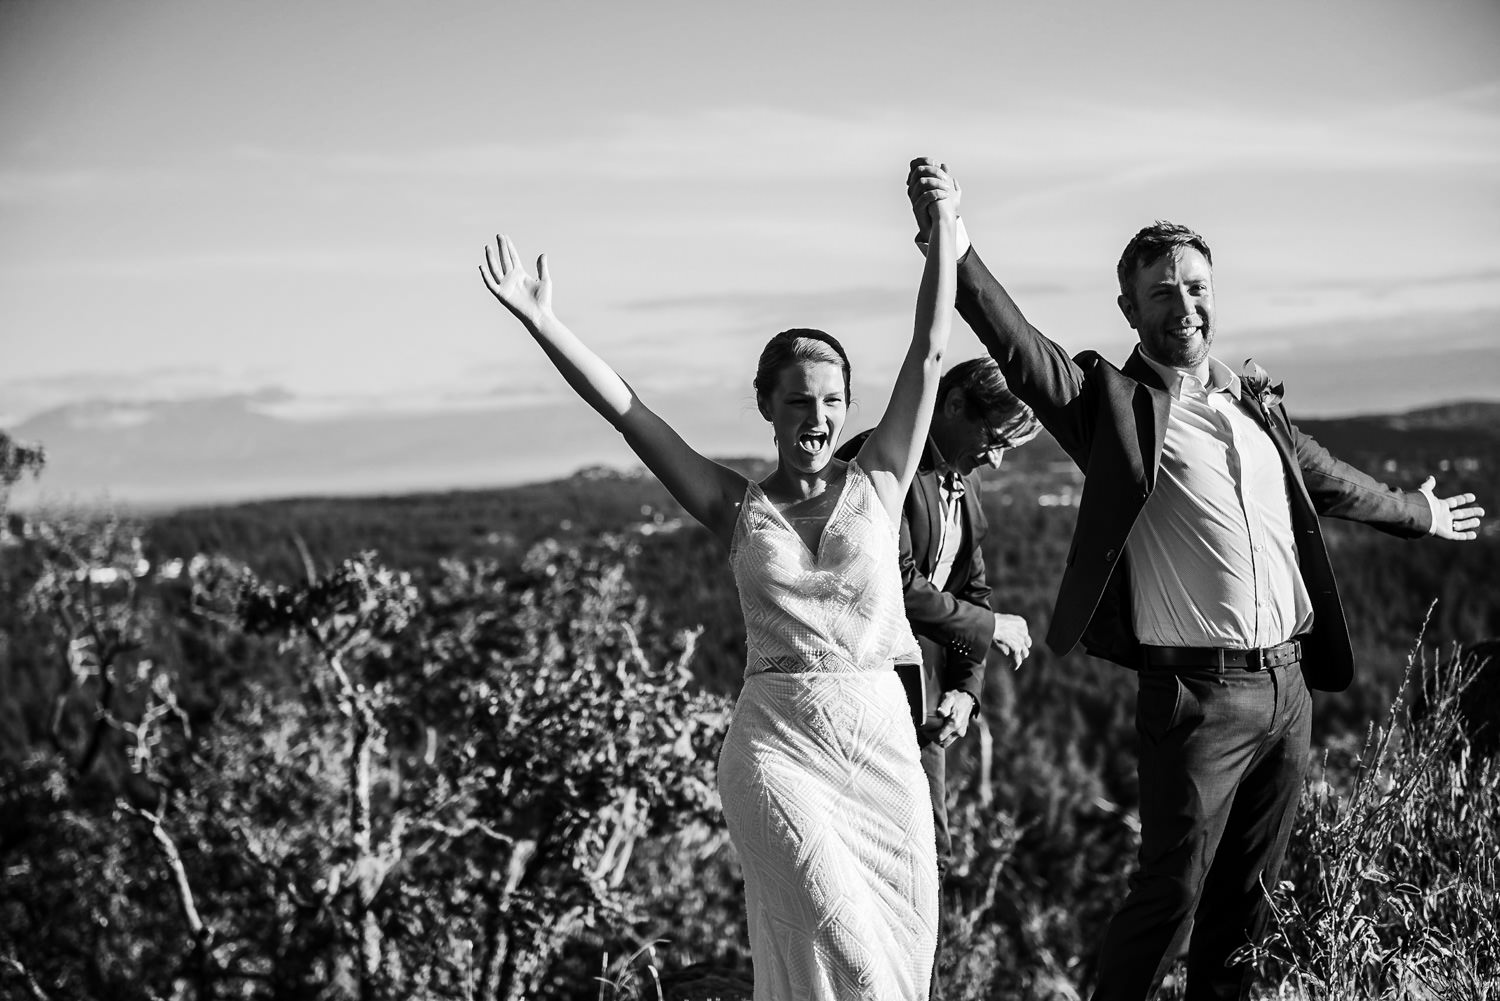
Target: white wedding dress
820	775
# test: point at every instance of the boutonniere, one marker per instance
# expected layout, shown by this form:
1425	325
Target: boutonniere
1258	382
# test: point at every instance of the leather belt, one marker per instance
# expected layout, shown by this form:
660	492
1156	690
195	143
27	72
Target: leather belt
1265	658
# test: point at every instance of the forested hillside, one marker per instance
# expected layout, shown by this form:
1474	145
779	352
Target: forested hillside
1387	583
239	759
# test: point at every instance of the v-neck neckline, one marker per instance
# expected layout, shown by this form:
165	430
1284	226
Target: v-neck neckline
816	553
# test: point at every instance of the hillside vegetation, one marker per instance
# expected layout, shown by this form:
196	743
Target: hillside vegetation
243	757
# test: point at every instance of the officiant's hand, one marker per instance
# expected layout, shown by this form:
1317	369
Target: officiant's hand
957	708
530	299
1012	638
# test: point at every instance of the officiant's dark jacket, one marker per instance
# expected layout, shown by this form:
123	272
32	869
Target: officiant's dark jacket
1112	423
954	624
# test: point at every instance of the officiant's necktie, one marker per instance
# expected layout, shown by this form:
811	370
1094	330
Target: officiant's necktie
950	527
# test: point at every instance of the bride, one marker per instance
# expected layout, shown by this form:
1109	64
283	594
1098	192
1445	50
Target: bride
820	778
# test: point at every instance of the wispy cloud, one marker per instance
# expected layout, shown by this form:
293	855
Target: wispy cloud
1479	276
21	398
394	262
853	301
761	307
1448	301
782	146
73	183
754	315
425	400
1390	337
1096	148
1085	143
96	403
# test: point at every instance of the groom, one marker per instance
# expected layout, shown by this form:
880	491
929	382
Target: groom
1197	561
975	420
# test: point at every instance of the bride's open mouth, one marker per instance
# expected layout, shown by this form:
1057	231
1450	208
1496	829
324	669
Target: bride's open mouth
812	442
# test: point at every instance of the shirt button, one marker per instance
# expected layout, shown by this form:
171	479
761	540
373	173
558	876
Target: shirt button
1109	556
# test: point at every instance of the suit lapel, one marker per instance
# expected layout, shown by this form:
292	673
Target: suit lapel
933	502
1267	420
973	487
1153	407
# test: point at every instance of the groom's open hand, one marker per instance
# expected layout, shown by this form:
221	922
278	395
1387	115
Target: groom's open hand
1455	517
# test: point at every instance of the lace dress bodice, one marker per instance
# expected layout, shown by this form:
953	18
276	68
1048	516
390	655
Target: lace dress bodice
838	609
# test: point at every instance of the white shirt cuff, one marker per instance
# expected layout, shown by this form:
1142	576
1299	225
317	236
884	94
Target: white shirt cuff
1432	506
963	243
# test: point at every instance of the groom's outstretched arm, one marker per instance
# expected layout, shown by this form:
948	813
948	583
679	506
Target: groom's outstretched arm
1340	490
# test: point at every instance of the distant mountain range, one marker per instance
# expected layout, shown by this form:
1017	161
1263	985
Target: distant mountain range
1478	415
228	449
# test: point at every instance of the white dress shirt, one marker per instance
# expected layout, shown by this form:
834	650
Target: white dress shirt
950	525
1213	560
950	517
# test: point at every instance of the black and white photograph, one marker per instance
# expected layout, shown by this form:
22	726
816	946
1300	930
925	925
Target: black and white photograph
773	502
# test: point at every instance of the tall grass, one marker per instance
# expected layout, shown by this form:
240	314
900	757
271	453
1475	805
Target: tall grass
1394	882
1391	888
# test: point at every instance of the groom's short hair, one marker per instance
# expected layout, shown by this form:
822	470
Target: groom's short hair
1149	245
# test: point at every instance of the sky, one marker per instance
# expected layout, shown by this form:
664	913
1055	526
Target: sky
283	204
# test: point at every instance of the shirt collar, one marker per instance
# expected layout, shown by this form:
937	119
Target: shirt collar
944	470
939	463
1221	378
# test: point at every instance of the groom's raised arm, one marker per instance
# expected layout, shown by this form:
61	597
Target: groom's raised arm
1036	368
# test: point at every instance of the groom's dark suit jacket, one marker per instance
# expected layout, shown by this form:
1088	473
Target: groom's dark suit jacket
954	624
1112	422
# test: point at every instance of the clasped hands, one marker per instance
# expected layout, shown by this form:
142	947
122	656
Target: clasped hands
956	707
934	193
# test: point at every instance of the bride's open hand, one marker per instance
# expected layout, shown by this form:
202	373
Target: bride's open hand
530	299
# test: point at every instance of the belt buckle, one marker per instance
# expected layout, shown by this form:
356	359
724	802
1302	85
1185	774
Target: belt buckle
1279	655
1255	659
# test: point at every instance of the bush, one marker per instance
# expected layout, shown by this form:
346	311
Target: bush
1394	883
433	795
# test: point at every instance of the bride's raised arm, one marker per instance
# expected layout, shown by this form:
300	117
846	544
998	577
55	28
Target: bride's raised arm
707	490
891	453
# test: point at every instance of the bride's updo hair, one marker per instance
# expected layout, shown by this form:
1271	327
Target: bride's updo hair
789	347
